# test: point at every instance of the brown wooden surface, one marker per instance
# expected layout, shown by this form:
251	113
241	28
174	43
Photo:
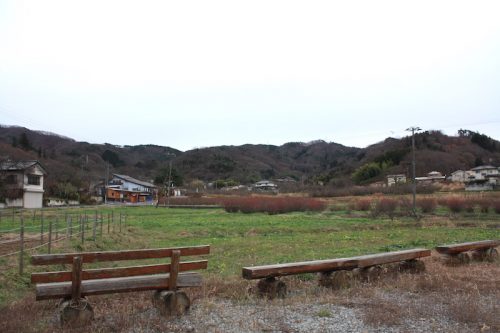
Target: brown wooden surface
106	273
258	272
76	279
67	258
174	269
117	285
469	246
390	257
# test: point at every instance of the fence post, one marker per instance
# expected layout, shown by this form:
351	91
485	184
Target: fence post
21	248
102	222
71	227
113	219
82	225
68	228
41	228
34	217
50	235
120	222
57	227
13	215
107	215
94	227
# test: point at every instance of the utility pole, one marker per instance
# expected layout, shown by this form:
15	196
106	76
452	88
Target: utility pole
169	183
106	184
414	129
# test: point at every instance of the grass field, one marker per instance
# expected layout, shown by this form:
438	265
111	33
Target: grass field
239	239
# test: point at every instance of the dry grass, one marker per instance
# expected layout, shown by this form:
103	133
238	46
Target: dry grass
467	296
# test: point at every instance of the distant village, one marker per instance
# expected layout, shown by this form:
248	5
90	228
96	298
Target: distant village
23	183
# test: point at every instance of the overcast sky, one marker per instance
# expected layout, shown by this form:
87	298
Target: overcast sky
192	74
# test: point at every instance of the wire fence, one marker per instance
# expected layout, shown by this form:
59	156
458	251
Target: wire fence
35	232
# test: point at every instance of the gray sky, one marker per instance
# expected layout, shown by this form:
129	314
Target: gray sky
192	74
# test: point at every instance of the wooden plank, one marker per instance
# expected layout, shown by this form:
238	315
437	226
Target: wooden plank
174	270
469	246
259	272
67	258
76	279
390	257
106	273
117	285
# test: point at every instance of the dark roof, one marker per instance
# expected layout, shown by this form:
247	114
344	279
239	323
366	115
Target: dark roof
19	165
133	180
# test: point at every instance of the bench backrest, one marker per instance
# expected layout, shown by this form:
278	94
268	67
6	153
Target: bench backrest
77	274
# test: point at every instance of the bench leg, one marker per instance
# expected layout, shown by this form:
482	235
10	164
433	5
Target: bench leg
413	266
337	279
458	259
75	313
490	254
271	288
372	273
171	303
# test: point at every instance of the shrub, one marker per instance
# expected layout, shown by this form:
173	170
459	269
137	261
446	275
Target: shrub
427	205
385	206
484	205
469	205
363	205
496	207
272	205
455	204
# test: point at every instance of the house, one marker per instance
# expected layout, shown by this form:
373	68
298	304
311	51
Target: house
265	185
484	171
23	183
396	179
432	177
483	178
122	188
458	176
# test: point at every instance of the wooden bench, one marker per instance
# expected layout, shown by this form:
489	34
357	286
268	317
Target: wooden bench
74	284
334	272
465	252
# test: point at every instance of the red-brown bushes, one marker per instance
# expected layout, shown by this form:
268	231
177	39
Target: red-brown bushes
496	206
484	205
385	206
455	204
427	205
363	205
272	205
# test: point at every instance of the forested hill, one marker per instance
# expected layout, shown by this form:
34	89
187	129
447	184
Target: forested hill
82	163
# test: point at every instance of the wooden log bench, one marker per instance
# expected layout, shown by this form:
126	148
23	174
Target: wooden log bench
73	285
336	273
463	253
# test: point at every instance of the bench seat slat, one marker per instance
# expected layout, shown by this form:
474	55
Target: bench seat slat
258	272
116	285
469	246
67	258
390	257
106	273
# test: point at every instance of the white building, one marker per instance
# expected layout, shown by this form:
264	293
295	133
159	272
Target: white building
396	179
459	176
265	185
23	183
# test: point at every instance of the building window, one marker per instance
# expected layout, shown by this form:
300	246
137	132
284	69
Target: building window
11	179
34	180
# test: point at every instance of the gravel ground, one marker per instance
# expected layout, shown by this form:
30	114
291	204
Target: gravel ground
216	316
